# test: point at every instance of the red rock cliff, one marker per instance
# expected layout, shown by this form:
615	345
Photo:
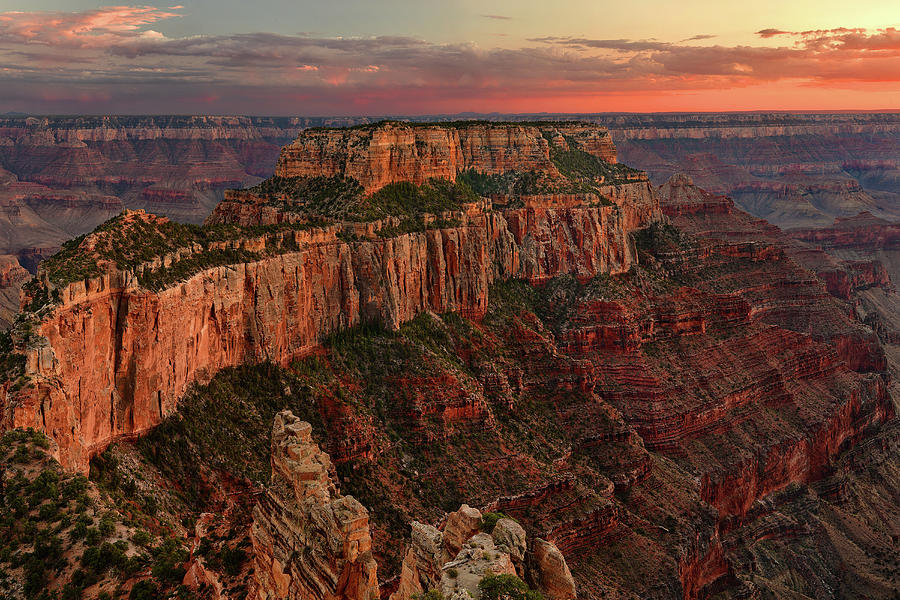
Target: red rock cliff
309	542
377	156
112	358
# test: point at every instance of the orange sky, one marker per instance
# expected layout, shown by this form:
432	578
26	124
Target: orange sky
402	57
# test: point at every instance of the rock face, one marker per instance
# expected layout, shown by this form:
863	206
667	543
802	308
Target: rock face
66	175
794	170
309	542
552	572
455	560
377	156
12	276
112	357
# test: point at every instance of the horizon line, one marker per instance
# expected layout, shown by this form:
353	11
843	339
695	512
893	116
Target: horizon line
14	114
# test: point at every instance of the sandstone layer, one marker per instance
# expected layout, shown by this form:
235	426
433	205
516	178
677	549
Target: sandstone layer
309	542
112	359
378	155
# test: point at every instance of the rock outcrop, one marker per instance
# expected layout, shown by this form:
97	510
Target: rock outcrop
386	153
12	277
112	359
455	560
551	572
309	542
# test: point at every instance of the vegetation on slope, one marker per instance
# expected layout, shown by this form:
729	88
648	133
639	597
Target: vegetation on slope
512	183
341	198
583	173
316	195
12	363
584	170
132	239
61	538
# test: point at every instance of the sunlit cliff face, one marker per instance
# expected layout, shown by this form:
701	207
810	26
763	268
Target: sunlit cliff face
180	59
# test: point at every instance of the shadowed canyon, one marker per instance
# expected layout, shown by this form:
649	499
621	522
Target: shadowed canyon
592	356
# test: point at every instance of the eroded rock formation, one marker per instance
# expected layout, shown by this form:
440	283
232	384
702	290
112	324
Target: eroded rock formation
309	542
12	276
112	357
376	156
455	559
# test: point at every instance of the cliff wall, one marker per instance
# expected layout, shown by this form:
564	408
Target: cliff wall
113	358
404	152
309	542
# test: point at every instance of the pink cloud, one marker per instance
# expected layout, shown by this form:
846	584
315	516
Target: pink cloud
95	28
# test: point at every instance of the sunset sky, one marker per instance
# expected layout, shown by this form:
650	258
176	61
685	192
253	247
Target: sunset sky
351	57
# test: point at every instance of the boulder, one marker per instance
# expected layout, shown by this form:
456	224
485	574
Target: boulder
461	525
551	573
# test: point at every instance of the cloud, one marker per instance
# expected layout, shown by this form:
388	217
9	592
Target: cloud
497	17
93	28
116	59
623	45
768	33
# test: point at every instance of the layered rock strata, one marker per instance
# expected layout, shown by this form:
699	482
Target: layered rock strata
112	357
379	155
309	542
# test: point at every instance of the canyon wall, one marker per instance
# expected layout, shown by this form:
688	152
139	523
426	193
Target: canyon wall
376	156
794	170
113	358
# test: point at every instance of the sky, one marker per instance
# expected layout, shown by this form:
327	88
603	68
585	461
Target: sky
410	57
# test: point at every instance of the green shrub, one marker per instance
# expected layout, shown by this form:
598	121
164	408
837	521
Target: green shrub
232	560
506	587
144	590
168	559
107	525
141	537
93	537
489	521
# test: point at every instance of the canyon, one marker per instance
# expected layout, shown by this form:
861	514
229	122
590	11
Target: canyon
795	170
653	392
62	176
281	306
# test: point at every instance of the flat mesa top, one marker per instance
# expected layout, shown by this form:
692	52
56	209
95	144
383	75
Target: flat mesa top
386	123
